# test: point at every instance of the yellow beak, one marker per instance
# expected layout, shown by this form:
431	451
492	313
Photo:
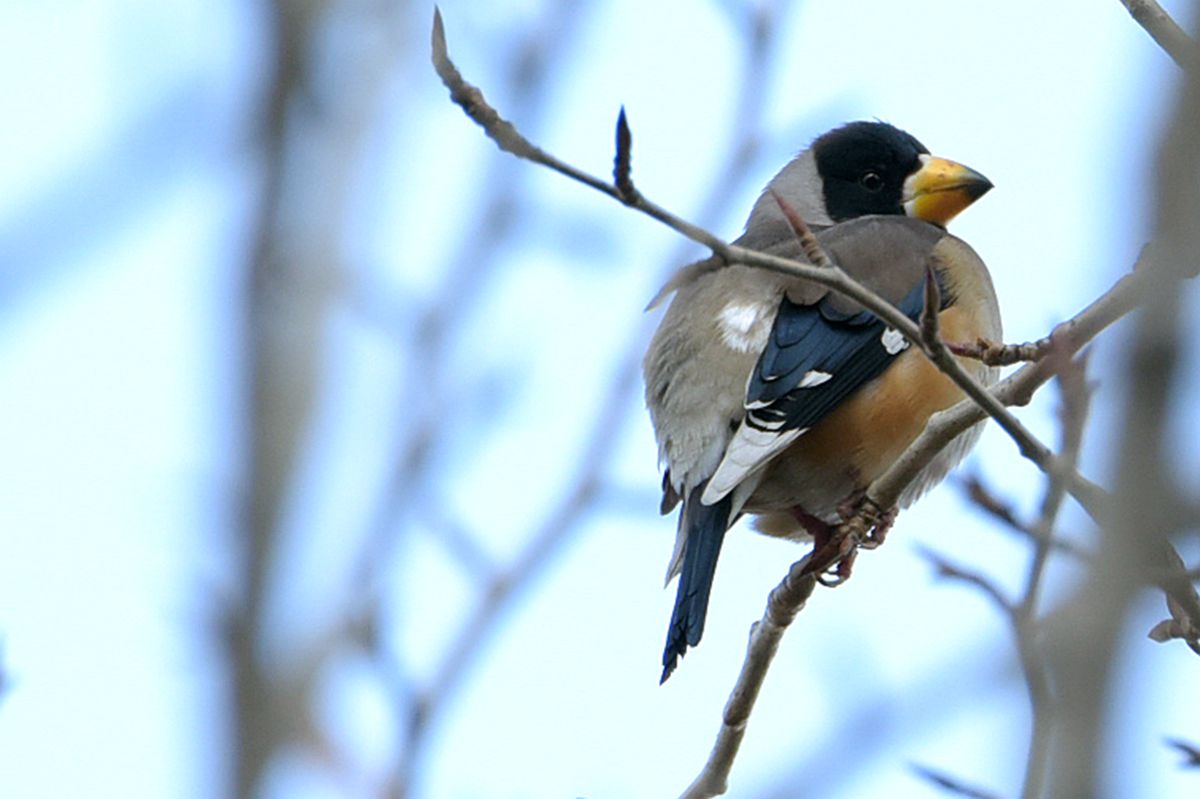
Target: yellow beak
940	189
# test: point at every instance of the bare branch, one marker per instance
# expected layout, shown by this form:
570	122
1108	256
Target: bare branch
472	102
500	130
808	242
784	602
280	379
949	571
1182	601
460	542
1021	614
1135	534
1190	752
791	594
581	495
950	785
1089	495
1073	412
987	501
858	530
1165	31
929	310
995	353
509	139
1017	389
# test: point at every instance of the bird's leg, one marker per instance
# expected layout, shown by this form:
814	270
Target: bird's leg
820	530
822	534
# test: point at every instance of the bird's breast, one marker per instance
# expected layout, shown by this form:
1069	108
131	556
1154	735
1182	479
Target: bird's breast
857	442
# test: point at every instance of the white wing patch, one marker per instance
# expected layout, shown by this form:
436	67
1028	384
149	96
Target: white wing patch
813	378
748	452
893	341
745	326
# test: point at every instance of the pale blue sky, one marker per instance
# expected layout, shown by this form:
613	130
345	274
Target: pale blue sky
126	192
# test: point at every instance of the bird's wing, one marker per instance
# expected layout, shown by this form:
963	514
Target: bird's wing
819	353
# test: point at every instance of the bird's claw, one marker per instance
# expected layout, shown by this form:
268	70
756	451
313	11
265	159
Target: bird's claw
879	530
841	572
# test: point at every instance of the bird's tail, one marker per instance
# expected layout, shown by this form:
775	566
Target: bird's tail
705	527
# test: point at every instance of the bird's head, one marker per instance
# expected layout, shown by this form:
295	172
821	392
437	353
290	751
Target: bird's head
871	168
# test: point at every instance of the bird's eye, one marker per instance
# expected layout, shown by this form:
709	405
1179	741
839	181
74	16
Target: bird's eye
871	181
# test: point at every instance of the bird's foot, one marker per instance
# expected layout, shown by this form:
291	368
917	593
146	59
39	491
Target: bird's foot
841	572
877	523
824	536
878	532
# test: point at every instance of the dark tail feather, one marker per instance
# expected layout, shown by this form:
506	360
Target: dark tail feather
706	526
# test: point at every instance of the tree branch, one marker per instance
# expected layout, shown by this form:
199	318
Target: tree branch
950	571
994	353
1190	752
581	495
951	786
789	597
1073	412
508	138
1086	647
1165	31
783	603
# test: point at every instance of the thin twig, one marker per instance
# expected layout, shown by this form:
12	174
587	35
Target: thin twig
1073	416
950	571
784	602
791	594
1165	31
1190	752
808	242
468	642
1021	614
929	309
1089	495
995	353
950	785
1017	389
1085	649
1172	576
984	499
885	493
423	414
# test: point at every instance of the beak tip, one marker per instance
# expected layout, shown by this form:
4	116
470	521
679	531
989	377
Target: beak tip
975	184
980	187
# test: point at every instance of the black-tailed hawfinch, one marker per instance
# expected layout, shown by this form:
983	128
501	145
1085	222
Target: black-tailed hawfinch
771	395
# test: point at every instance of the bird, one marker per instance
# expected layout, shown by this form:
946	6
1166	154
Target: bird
774	397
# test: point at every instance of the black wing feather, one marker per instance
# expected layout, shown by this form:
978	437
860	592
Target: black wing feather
804	338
